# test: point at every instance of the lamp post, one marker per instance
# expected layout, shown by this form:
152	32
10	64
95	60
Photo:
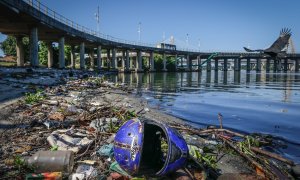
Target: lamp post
97	17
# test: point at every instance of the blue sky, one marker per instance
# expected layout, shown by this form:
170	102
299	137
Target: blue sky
225	25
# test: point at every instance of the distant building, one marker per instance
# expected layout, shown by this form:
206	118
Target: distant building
166	46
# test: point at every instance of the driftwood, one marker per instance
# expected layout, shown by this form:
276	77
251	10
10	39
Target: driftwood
272	155
252	161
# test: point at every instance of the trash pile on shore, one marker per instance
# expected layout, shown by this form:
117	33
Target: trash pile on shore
72	131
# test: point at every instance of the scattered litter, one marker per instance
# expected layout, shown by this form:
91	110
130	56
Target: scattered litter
70	139
106	150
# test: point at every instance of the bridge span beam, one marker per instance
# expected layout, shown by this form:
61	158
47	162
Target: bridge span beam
34	59
20	51
82	52
61	56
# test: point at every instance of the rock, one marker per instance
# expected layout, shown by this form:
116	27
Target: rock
71	110
58	116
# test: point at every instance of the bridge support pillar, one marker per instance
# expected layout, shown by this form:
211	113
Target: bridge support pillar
297	65
248	65
99	59
108	59
176	62
82	52
61	56
20	51
127	63
34	60
285	65
92	60
225	64
279	65
237	64
208	65
216	65
164	63
139	62
114	59
268	65
73	57
50	54
152	68
258	64
188	63
123	60
199	62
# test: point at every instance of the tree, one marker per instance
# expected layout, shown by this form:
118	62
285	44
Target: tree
9	46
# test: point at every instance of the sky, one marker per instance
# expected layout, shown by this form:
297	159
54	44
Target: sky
217	25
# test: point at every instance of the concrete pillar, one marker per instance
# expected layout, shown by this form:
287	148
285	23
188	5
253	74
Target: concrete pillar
82	52
108	59
208	65
225	64
92	58
236	65
139	62
123	60
152	68
20	51
188	63
50	54
99	59
297	65
268	65
164	63
34	58
248	65
127	63
285	65
216	65
61	56
258	64
114	59
73	57
199	63
274	65
278	68
176	62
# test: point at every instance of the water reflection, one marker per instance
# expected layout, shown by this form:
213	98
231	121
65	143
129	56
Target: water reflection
249	101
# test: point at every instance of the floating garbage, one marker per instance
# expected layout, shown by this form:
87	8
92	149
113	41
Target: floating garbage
149	147
52	161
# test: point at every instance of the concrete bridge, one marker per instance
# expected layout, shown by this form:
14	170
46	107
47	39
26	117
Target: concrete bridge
30	18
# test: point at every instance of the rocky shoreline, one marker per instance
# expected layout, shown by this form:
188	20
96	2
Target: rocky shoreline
66	99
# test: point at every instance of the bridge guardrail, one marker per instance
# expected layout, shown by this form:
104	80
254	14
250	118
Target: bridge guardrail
58	17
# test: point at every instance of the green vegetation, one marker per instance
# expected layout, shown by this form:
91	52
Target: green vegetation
31	98
8	64
9	46
246	145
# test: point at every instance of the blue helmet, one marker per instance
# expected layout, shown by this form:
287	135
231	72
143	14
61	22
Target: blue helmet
149	147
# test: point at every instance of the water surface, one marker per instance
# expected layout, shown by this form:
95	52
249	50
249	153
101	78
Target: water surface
266	103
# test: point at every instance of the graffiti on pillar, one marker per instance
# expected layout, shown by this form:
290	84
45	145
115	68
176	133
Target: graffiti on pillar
278	48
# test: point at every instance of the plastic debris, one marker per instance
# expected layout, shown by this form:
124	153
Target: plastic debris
70	139
106	150
45	176
52	161
116	168
87	170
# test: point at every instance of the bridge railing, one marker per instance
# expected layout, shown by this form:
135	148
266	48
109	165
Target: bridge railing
58	17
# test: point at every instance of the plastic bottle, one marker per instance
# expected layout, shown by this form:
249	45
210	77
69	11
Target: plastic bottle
52	161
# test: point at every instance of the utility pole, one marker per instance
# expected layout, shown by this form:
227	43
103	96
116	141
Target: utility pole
97	17
139	31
